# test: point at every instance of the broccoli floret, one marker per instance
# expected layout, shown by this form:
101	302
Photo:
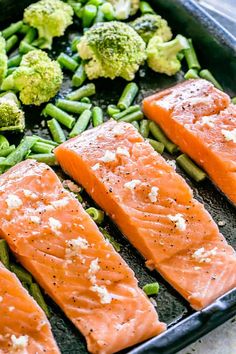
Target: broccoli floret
38	78
150	25
51	18
11	116
112	49
162	56
124	8
3	58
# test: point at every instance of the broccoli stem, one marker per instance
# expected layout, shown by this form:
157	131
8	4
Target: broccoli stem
191	74
12	29
56	131
73	106
30	35
11	70
173	47
61	116
97	116
11	42
84	91
67	62
207	75
145	8
127	96
81	123
80	76
14	61
191	57
8	83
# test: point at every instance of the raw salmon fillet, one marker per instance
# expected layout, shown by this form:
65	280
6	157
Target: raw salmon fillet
57	241
154	208
24	328
200	120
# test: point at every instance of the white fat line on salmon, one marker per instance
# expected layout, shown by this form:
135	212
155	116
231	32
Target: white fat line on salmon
1	298
203	256
60	203
132	184
96	166
30	194
122	151
229	135
208	121
93	269
105	297
108	157
153	194
55	225
179	221
75	245
35	219
11	308
13	201
19	343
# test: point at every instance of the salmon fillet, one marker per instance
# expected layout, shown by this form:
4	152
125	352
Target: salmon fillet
154	208
200	120
57	241
24	328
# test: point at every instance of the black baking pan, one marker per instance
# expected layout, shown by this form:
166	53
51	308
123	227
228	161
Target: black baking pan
216	49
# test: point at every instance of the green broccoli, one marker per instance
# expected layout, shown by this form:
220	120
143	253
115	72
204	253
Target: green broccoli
38	78
11	116
112	49
3	58
51	18
124	8
151	25
162	56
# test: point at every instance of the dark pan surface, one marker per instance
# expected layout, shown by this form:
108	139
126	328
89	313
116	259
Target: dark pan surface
215	47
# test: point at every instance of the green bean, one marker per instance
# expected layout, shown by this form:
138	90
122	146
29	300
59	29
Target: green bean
10	71
151	289
96	214
76	57
207	75
21	273
61	116
89	14
19	153
56	131
144	128
14	61
190	168
157	146
191	57
180	56
42	148
81	123
100	16
112	109
191	74
145	8
132	117
30	35
85	100
46	141
83	91
73	106
112	241
95	2
77	8
24	29
124	113
7	151
233	100
4	143
25	285
135	124
11	42
37	295
74	44
97	116
128	95
49	159
4	253
158	134
12	29
108	11
25	48
67	62
79	76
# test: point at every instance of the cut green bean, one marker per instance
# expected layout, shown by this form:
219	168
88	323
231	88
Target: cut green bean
4	143
76	7
112	109
124	113
14	61
30	35
132	117
49	159
144	128
21	273
61	116
7	151
111	239
145	8
157	146
19	153
108	11
42	148
46	141
191	56
190	168
89	14
12	29
11	42
73	106
85	100
128	95
25	48
11	70
97	116
135	124
74	44
24	29
180	56
158	134
207	75
151	289
100	16
96	214
79	76
83	91
76	57
4	253
233	100
56	131
38	296
81	123
191	74
95	2
67	62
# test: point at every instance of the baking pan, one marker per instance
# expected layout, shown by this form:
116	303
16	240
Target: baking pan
217	51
